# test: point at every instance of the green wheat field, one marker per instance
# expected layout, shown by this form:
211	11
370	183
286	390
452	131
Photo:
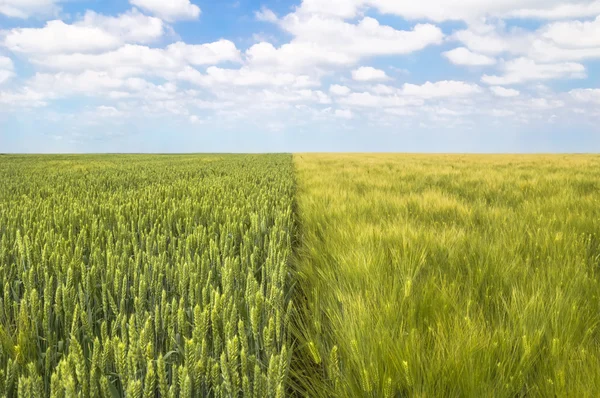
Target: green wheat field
306	275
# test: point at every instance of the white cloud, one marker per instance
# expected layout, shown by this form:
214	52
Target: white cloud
245	77
49	86
545	103
344	113
323	40
586	95
559	10
195	119
170	10
555	42
367	38
266	15
484	39
367	74
445	88
26	8
501	112
545	51
94	33
205	54
469	10
336	8
275	97
337	89
522	70
127	60
130	60
88	82
23	98
51	39
6	75
6	63
131	27
369	100
504	92
567	41
6	69
463	56
410	98
383	89
575	34
295	56
400	112
104	111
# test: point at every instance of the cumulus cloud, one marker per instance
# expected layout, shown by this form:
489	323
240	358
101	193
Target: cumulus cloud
93	33
554	42
131	27
26	8
320	39
104	111
384	89
367	74
130	60
575	34
25	97
171	10
337	89
295	56
487	39
6	69
522	70
344	113
6	75
205	54
366	38
51	39
88	82
464	56
48	86
504	92
245	77
468	10
369	100
6	63
590	95
266	15
409	95
445	88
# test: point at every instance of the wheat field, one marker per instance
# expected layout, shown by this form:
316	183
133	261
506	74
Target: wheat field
145	276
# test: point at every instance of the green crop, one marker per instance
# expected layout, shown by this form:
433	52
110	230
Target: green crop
145	276
449	276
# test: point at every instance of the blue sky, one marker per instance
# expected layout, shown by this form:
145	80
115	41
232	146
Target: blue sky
306	75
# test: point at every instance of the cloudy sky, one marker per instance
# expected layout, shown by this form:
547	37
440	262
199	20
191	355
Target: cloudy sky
303	75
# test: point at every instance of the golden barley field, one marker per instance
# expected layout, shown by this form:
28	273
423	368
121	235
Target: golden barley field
449	276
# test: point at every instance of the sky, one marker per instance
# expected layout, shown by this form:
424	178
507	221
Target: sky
166	76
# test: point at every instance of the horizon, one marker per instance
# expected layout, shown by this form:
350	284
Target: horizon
300	153
299	76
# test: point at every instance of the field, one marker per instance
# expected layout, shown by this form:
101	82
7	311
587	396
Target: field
145	276
304	275
450	276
